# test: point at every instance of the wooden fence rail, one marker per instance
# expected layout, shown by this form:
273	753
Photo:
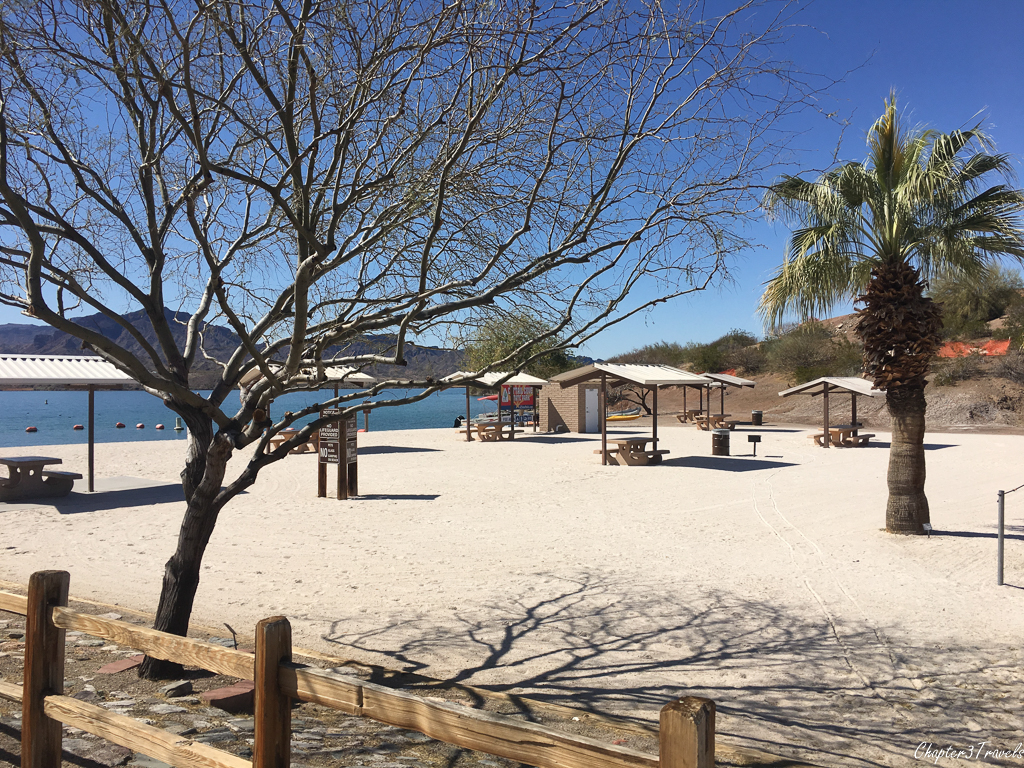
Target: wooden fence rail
686	736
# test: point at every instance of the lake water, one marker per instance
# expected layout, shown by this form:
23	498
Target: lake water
54	414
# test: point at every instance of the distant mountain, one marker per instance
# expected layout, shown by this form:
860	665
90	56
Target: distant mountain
218	342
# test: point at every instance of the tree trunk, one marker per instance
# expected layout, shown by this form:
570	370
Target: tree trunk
907	508
202	479
900	328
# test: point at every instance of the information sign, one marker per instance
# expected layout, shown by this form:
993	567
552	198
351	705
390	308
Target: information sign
330	437
516	396
337	437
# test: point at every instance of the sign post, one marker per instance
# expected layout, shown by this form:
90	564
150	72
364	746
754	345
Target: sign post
337	445
515	398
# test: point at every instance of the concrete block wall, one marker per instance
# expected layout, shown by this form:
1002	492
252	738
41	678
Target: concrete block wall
566	407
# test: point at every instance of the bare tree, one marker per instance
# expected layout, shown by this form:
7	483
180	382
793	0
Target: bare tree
306	172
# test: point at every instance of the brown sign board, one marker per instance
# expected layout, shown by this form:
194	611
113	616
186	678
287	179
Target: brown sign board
331	437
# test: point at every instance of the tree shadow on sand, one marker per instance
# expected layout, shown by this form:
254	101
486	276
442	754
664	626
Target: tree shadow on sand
805	690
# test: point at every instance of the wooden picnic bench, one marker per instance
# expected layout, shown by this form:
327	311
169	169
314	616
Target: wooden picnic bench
27	479
275	442
689	415
714	421
632	453
842	436
494	431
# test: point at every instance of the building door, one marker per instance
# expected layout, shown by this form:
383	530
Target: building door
591	422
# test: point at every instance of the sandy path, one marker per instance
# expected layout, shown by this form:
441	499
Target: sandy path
765	584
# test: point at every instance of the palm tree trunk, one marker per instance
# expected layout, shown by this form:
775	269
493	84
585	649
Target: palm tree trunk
907	508
900	327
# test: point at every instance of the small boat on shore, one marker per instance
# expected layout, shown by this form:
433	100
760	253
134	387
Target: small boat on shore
629	415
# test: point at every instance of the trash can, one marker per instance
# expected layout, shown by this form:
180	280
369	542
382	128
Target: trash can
756	418
720	442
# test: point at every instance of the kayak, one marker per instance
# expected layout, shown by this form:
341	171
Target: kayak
623	415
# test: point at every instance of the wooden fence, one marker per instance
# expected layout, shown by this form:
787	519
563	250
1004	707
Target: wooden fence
686	735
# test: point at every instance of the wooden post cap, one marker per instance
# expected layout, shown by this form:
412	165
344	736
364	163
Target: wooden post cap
687	733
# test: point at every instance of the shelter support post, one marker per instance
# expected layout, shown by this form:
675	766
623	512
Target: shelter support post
469	437
853	413
604	424
92	438
536	407
654	428
721	390
827	440
684	398
342	489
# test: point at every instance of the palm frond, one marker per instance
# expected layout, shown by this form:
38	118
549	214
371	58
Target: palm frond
812	283
920	200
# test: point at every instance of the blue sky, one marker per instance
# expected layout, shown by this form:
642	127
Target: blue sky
948	60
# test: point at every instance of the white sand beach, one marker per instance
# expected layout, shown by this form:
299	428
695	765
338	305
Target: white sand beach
766	584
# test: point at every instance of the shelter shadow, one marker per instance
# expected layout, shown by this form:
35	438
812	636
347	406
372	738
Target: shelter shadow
371	449
76	503
927	446
976	535
400	496
725	463
550	439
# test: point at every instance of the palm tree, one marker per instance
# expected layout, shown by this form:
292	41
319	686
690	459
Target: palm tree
921	206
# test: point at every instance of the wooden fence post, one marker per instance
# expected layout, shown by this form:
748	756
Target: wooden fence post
44	669
273	726
687	734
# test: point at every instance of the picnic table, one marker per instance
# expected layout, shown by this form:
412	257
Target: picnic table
689	415
493	431
287	434
714	421
632	452
843	436
27	478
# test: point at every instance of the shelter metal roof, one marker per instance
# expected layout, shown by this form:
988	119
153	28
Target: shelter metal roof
850	384
644	375
729	379
59	370
334	375
494	378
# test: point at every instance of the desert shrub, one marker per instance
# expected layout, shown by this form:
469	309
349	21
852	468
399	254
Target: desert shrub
661	353
810	351
750	360
704	357
967	305
1011	367
736	339
713	356
716	355
948	373
1013	329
